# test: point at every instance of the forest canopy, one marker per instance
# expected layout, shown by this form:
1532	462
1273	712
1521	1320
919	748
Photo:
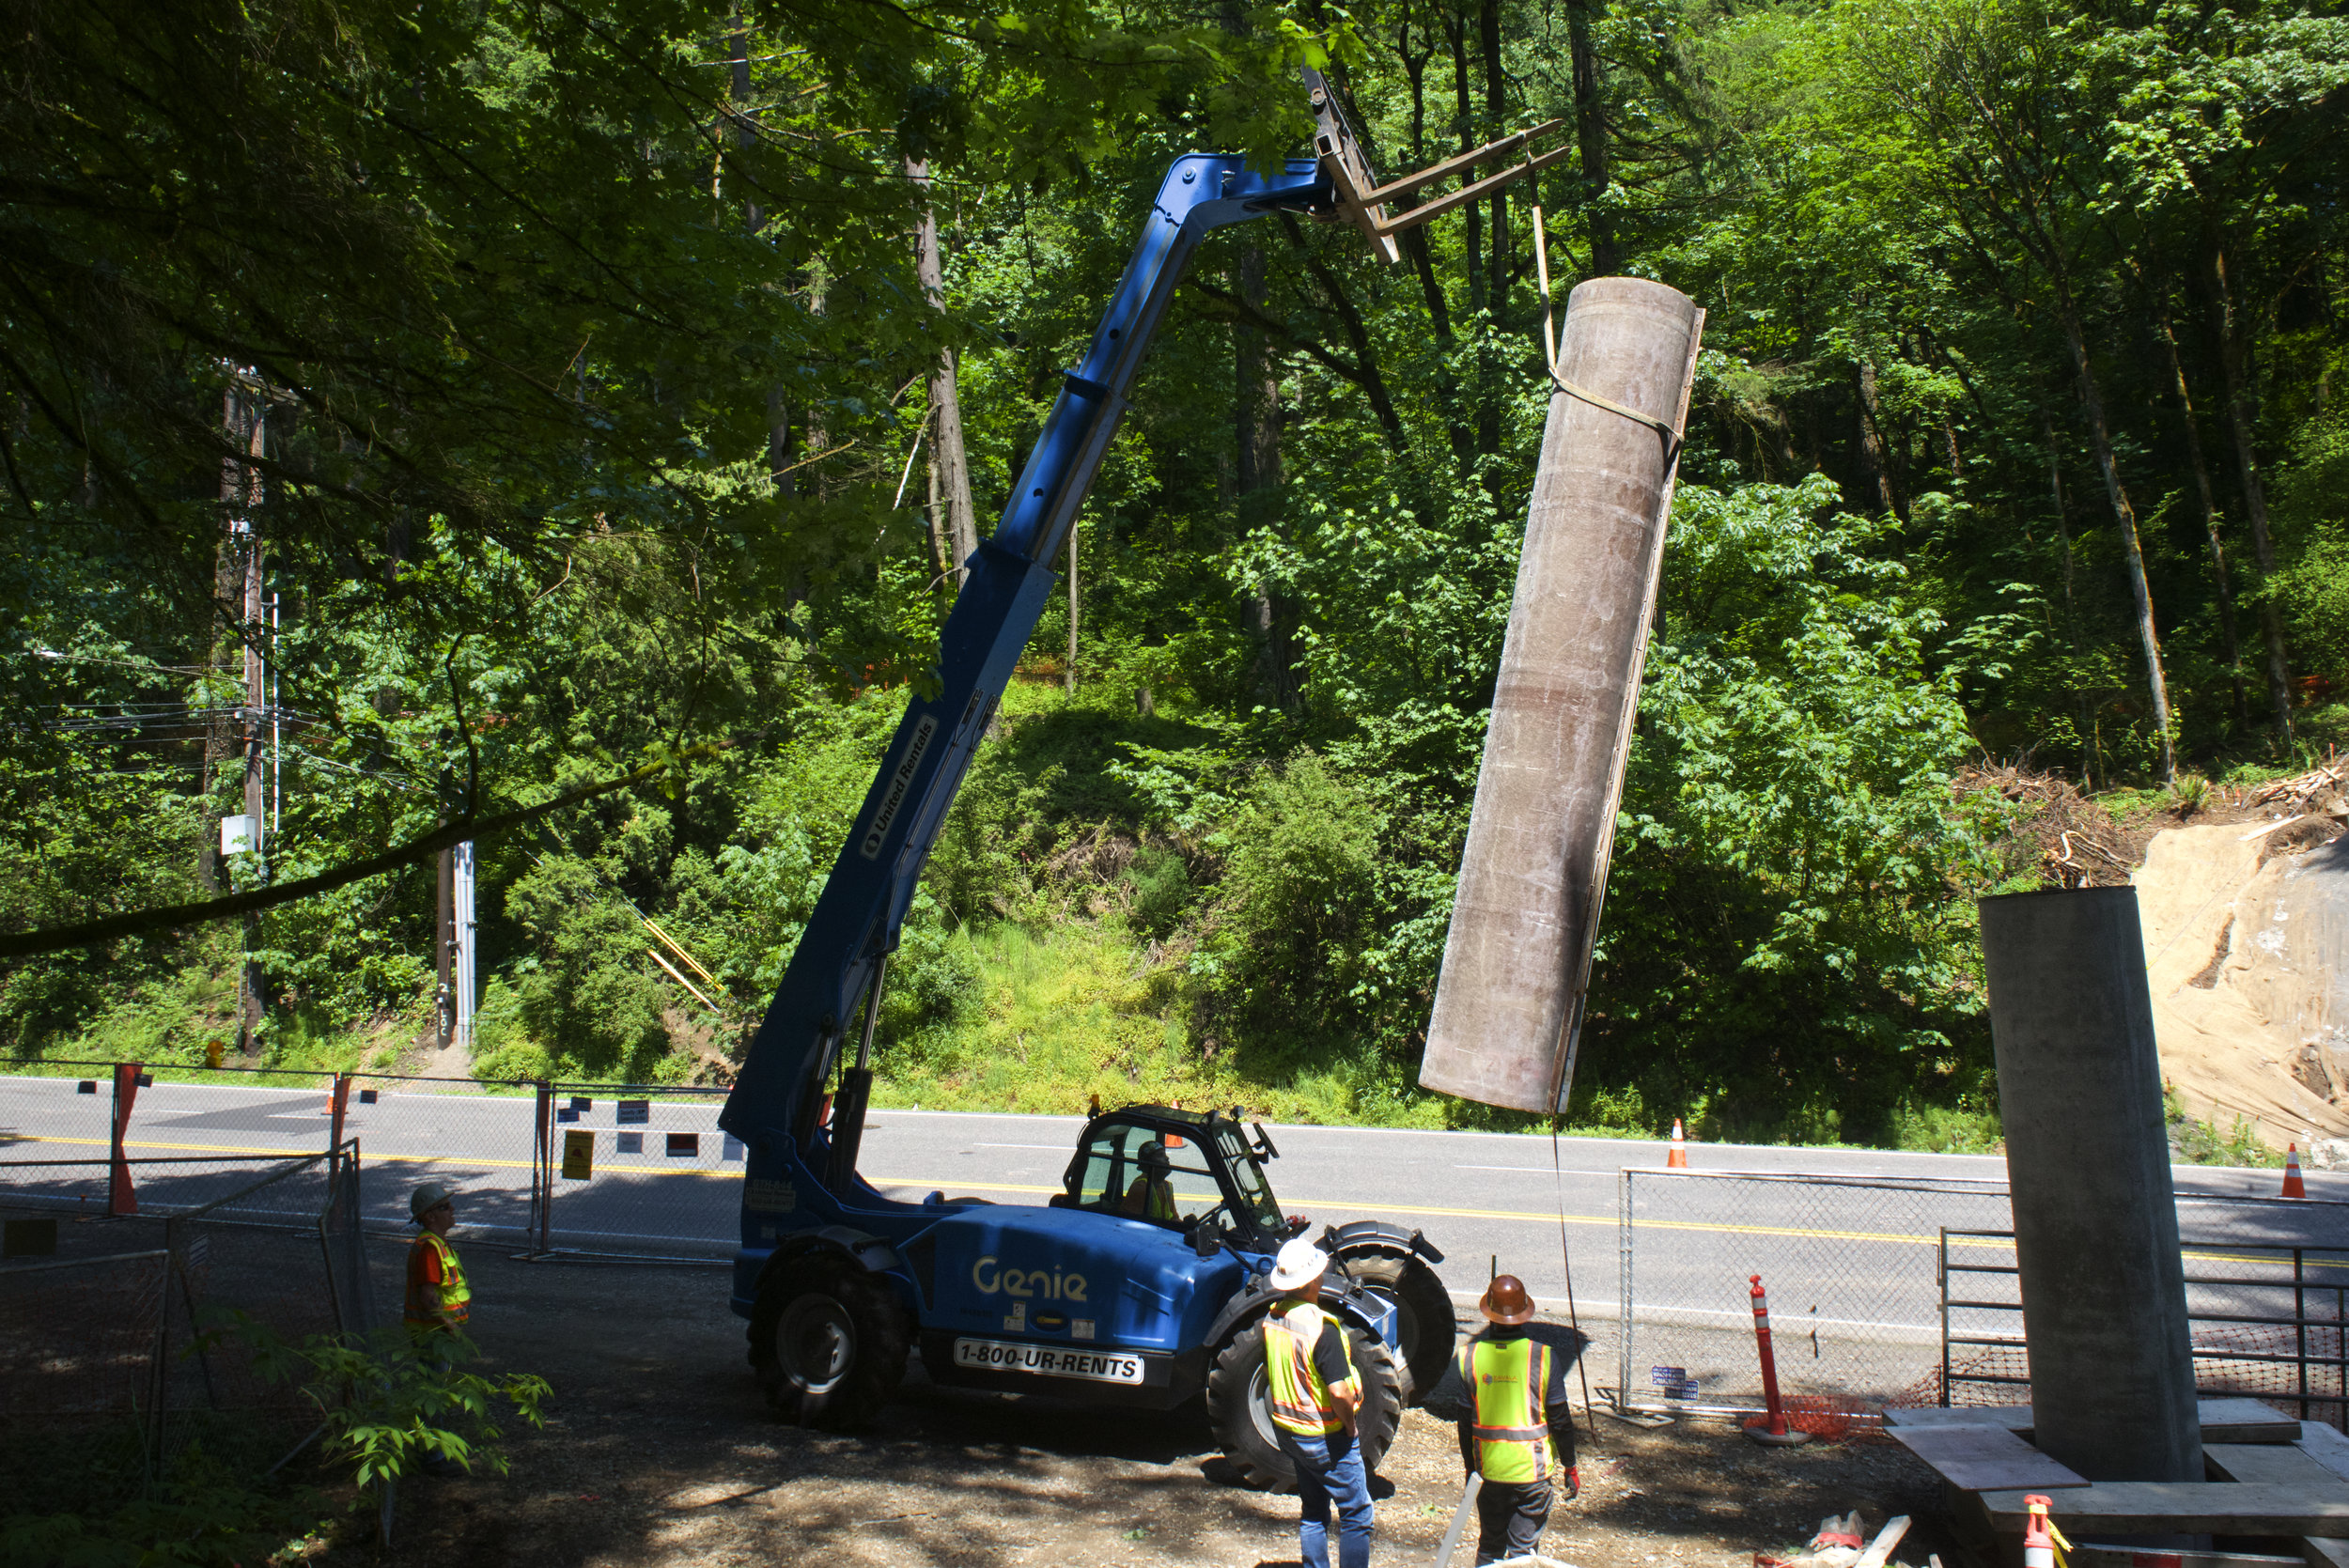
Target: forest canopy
576	412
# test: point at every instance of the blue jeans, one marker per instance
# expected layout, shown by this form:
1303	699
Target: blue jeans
1330	1469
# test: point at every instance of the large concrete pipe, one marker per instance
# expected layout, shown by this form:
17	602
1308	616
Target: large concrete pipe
1517	959
2088	1161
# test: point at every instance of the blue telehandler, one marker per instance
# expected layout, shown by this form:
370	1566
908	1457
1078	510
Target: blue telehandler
1142	1283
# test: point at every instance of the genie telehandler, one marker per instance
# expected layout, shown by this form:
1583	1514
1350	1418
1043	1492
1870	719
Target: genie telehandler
1143	1283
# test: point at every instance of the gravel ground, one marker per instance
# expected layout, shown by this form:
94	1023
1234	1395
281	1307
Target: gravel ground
659	1449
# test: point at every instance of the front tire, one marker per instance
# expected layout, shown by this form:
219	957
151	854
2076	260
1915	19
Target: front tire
1425	1326
829	1341
1240	1406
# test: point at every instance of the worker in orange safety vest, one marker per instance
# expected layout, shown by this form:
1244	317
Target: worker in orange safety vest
438	1302
1507	1390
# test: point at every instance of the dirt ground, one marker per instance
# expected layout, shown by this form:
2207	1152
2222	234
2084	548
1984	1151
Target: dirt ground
659	1451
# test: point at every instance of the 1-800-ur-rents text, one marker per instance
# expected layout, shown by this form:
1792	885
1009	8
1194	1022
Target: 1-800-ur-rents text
1010	1355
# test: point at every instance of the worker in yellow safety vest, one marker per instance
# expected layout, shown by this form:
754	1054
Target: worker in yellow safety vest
1315	1396
438	1302
1507	1390
1152	1194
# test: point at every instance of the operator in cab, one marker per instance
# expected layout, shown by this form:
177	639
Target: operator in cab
1315	1397
1507	1390
1152	1194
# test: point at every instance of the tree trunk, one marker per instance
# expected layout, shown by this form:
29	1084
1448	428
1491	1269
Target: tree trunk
1590	136
949	458
2242	423
2202	497
1497	266
1496	115
1464	110
1414	246
2100	437
1871	452
2093	764
1256	402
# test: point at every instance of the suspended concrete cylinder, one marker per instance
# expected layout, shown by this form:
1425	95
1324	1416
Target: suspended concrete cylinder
2088	1162
1517	959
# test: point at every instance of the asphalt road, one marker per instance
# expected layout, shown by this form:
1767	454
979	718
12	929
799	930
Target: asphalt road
1851	1263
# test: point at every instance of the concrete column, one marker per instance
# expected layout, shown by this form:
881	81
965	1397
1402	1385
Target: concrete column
1517	959
2088	1159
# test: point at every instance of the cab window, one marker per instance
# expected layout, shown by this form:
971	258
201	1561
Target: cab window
1110	1176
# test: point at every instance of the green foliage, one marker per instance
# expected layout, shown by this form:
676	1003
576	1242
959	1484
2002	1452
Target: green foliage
389	1406
597	373
1788	802
2200	1143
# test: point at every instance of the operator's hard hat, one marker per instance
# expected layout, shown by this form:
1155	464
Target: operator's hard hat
1153	1159
1299	1263
1505	1301
432	1195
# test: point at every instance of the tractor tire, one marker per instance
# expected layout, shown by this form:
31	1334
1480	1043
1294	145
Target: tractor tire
829	1341
1239	1408
1426	1326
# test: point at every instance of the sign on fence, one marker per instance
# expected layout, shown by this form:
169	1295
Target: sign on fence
578	1157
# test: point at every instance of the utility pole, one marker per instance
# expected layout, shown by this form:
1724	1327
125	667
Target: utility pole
462	930
445	951
245	413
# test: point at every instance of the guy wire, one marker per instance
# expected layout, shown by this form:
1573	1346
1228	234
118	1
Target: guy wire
1582	1360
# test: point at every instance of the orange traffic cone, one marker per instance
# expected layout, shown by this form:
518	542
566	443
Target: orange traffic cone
1678	1159
2293	1186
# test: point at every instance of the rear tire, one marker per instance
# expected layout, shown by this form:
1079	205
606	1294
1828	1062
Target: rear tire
1425	1326
829	1341
1240	1409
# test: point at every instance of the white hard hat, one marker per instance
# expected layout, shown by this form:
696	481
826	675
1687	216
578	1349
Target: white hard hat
1299	1263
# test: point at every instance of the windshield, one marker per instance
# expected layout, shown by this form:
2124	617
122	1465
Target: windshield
1247	1176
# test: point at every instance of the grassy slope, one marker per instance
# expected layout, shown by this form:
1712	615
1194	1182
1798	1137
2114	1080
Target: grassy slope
1079	1010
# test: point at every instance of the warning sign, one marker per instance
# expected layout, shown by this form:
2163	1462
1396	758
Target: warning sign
579	1156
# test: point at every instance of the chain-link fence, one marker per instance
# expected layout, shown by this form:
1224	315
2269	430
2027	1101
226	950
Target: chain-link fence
631	1170
1848	1261
642	1170
191	1134
106	1353
484	1140
1886	1291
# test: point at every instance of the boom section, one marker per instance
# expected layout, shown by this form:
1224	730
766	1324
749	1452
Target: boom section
774	1108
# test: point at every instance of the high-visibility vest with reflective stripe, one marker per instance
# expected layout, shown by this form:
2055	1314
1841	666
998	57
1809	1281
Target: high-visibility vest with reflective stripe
1152	1199
1301	1398
430	1306
1510	1378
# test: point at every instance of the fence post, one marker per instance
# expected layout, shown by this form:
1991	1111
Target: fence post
1944	1269
542	1166
338	1102
2300	1326
120	1199
1623	1291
